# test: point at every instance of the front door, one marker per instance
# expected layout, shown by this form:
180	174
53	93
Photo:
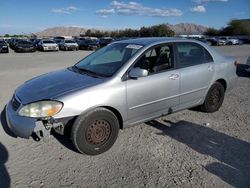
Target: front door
157	93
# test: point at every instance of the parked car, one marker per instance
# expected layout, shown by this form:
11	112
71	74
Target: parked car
47	45
105	41
68	45
25	46
230	41
120	85
89	44
13	43
215	42
4	47
245	40
248	64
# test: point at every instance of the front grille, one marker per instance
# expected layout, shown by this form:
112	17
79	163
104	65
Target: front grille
15	103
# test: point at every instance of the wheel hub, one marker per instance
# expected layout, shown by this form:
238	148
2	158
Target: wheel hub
215	97
98	132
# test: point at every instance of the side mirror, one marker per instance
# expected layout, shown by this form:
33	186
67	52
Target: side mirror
137	73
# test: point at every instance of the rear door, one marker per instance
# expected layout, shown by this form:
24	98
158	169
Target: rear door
196	68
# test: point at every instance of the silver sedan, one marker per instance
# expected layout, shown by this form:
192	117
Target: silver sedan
120	85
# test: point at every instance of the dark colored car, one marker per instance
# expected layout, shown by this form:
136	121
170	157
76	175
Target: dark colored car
245	40
14	42
105	41
25	46
4	47
88	44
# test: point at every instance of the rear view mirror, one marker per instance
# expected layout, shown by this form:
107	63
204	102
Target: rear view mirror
138	72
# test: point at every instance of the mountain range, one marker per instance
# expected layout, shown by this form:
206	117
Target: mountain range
179	29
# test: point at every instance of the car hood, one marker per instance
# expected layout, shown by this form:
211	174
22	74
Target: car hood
25	45
54	84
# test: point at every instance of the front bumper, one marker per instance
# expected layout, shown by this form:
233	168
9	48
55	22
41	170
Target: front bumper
50	48
21	126
26	49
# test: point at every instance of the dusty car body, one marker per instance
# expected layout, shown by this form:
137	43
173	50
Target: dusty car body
120	85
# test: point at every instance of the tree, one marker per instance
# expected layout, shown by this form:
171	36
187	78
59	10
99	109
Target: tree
88	33
212	32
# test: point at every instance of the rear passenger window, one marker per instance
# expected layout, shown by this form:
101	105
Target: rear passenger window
192	54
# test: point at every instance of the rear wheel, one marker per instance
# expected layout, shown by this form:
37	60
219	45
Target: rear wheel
214	98
95	132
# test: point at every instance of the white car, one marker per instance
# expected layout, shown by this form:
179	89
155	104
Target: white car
47	45
230	41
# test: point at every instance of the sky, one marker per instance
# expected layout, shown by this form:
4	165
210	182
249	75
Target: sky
29	16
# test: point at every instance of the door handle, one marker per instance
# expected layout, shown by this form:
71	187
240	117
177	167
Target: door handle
174	76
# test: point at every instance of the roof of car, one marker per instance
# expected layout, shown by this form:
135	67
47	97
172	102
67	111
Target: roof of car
151	40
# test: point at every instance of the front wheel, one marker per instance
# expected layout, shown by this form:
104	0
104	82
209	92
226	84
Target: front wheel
214	98
95	132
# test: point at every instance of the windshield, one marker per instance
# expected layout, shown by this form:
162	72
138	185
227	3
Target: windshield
69	41
24	42
2	43
106	61
91	41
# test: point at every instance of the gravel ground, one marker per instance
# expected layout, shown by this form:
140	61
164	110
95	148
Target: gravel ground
185	149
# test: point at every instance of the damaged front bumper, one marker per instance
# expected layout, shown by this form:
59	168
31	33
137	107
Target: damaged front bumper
26	127
21	126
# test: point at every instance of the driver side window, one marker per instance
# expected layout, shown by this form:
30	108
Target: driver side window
157	59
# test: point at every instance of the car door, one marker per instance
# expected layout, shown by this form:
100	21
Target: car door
196	69
157	93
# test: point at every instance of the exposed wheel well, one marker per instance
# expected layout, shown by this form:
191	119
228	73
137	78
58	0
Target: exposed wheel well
223	83
68	125
117	113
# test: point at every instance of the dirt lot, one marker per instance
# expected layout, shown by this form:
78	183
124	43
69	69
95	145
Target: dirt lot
186	149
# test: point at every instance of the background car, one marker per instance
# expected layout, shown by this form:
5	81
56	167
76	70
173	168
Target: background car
105	41
248	64
4	47
68	45
230	41
90	43
47	45
25	46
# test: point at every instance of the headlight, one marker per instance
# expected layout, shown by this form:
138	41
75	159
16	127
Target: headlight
41	109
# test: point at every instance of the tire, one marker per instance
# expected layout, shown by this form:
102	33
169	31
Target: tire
95	132
214	98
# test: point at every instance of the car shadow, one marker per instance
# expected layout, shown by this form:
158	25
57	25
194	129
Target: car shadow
4	175
241	70
233	154
65	141
5	125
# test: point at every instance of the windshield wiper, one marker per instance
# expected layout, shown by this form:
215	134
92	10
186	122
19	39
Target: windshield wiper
88	72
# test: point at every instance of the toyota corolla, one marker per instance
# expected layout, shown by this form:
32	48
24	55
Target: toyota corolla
120	85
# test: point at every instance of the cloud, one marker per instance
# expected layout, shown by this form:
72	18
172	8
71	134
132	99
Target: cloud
134	8
105	12
207	1
6	25
199	9
67	10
